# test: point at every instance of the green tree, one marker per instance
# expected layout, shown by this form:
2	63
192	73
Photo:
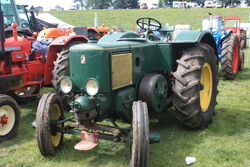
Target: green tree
80	2
120	4
98	4
132	4
229	2
161	3
169	2
247	2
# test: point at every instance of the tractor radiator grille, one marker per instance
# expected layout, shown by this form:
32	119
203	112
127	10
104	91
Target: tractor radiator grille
121	70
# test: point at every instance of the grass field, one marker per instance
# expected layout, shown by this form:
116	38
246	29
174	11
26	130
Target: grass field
225	143
127	18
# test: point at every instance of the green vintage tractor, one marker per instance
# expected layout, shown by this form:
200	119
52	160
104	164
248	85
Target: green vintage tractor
124	76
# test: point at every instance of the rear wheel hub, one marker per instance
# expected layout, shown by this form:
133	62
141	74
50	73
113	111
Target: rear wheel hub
7	119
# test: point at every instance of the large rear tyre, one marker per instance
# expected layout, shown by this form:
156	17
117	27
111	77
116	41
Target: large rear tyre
241	61
195	88
243	36
230	57
48	134
140	125
9	117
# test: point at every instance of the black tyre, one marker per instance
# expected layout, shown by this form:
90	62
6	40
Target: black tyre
243	41
230	57
153	90
61	67
140	145
9	117
48	134
23	95
242	44
195	87
241	61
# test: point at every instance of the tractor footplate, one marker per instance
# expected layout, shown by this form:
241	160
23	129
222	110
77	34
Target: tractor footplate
89	141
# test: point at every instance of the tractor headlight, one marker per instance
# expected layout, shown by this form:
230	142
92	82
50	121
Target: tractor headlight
92	87
66	85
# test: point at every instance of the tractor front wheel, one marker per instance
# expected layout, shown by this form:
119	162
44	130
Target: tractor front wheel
48	134
140	144
195	87
230	57
9	117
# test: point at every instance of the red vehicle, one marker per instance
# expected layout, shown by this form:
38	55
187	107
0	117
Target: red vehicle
232	23
23	70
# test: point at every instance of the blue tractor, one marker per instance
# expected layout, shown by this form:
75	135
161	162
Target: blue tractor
227	45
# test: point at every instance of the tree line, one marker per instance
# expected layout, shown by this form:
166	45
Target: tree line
134	4
105	4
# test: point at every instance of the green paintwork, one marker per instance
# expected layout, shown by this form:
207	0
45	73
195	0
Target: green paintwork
94	62
154	137
83	103
153	57
123	100
190	36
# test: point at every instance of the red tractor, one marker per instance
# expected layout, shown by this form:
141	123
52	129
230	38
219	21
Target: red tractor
23	70
232	23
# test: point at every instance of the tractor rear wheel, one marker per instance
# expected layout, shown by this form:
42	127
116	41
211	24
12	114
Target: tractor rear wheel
195	88
24	95
241	61
243	41
140	144
230	57
48	134
9	117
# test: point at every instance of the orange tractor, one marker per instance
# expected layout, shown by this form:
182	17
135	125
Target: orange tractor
93	32
232	23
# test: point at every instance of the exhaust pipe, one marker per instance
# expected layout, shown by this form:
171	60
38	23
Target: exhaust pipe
96	20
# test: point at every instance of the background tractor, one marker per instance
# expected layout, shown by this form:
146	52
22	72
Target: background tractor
23	70
227	44
124	76
232	23
92	32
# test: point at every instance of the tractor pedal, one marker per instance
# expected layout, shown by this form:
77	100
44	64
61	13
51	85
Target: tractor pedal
89	141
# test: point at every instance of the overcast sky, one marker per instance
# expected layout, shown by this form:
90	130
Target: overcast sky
66	4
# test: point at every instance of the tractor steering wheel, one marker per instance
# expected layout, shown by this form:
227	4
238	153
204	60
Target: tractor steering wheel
148	24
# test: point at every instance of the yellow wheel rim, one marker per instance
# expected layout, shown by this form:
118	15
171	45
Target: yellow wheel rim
207	83
7	111
55	115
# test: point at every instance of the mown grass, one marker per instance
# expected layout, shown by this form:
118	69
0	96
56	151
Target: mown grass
127	18
225	143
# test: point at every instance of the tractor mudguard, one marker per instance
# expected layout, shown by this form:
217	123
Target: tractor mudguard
54	48
191	37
